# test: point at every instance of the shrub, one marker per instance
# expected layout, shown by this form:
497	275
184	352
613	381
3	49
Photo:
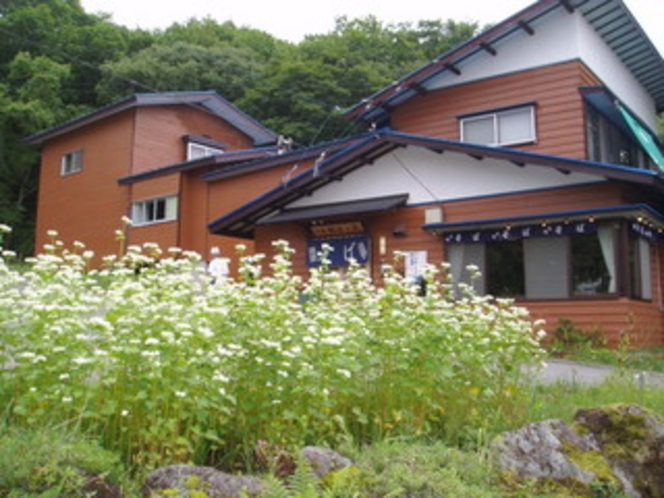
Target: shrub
164	367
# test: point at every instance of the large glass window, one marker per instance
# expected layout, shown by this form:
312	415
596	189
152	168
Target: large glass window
557	267
504	127
505	268
593	264
609	144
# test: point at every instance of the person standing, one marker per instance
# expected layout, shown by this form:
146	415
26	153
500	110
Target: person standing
218	267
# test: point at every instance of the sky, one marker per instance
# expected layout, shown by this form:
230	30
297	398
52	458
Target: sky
292	20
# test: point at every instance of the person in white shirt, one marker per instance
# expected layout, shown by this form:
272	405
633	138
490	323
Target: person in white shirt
218	268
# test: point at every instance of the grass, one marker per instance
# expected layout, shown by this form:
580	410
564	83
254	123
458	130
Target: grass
396	467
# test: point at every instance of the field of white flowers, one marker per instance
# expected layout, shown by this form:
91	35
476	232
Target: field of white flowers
148	357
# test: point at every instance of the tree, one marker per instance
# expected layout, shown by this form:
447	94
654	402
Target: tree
181	66
30	100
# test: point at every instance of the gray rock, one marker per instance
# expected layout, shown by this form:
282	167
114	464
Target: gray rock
214	483
615	447
323	460
540	451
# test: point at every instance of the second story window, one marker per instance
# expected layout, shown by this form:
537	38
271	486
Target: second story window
511	126
196	151
154	210
72	162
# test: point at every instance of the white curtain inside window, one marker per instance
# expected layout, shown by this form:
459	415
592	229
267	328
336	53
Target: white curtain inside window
644	268
547	264
460	256
606	240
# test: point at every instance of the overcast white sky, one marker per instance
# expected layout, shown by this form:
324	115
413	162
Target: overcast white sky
294	19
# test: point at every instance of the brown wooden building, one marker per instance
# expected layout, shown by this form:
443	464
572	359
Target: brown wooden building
529	152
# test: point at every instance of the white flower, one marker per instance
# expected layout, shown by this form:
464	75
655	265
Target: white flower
124	413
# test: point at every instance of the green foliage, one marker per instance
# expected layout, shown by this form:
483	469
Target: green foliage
413	468
57	61
48	462
568	339
164	367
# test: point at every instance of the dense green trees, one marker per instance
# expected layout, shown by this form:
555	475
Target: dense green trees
58	61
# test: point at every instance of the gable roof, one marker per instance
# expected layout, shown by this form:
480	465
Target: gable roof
241	222
207	101
610	18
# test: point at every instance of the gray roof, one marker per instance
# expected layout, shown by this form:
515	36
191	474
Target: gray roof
208	101
610	18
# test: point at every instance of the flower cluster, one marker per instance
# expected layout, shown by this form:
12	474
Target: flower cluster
161	364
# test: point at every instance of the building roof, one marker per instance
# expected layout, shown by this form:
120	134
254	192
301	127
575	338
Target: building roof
610	18
207	101
242	221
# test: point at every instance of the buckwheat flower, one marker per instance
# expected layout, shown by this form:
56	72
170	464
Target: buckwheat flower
67	399
88	254
81	361
344	372
151	341
63	376
124	413
52	233
181	394
5	228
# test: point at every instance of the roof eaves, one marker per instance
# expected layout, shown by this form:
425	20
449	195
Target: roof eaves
214	160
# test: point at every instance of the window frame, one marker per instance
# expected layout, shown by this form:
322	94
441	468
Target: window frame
71	162
208	150
625	253
495	116
150	212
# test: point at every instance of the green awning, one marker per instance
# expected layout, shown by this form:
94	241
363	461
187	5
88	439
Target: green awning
645	137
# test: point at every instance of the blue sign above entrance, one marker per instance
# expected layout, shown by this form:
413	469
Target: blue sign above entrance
341	250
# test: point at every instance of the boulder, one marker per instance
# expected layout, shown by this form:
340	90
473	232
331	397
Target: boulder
187	478
217	484
617	447
323	460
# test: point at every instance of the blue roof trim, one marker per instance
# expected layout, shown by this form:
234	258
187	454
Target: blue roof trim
598	212
239	221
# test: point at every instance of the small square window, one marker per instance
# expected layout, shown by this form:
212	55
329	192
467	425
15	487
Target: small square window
72	162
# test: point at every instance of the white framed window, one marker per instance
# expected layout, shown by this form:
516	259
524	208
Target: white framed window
72	162
196	151
504	127
154	210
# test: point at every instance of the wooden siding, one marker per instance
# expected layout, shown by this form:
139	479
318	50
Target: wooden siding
86	206
165	234
554	90
159	132
622	322
534	203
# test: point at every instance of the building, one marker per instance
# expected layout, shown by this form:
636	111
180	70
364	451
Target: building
141	158
528	151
